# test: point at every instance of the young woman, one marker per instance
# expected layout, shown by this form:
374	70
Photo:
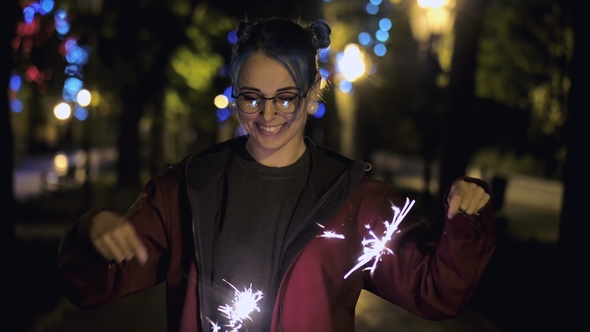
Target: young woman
273	219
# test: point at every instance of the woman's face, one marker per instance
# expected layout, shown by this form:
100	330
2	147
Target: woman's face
274	140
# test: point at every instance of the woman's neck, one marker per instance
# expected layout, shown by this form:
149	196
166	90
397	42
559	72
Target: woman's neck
284	156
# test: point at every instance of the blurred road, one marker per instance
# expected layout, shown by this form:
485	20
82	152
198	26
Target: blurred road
531	206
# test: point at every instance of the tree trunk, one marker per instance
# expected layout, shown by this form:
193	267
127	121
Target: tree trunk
459	130
574	221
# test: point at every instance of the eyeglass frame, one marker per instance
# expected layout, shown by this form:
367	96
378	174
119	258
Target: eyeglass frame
274	103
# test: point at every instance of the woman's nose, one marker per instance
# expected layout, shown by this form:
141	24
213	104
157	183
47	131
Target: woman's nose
268	110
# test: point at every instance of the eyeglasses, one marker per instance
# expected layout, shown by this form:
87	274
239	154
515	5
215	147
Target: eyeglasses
284	102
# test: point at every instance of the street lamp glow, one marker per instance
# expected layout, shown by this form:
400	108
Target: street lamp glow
221	101
62	111
352	64
84	97
432	3
60	163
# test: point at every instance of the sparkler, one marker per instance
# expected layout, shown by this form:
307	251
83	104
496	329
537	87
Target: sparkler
242	305
375	249
330	234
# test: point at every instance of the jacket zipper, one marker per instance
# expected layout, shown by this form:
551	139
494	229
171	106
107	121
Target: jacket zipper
315	209
190	201
305	221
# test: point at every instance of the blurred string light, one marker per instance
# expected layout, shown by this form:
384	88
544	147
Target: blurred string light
376	2
232	37
223	114
372	9
228	92
321	110
345	86
324	54
16	105
351	63
62	111
60	162
80	113
72	86
382	35
380	50
432	3
385	24
364	38
83	97
62	26
221	101
15	83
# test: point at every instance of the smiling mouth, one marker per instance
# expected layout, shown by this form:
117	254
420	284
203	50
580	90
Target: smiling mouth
272	130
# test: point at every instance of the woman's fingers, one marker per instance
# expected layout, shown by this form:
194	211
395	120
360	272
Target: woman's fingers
121	244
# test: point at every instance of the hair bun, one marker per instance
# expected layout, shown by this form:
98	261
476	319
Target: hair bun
243	28
320	33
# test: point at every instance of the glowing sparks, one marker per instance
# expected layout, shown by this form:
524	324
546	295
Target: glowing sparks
242	305
331	235
214	326
374	249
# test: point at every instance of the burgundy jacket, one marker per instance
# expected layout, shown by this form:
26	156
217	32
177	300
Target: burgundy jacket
176	214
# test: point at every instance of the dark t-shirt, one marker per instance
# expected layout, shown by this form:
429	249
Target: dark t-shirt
259	204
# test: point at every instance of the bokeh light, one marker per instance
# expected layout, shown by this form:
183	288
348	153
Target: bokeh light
364	38
83	97
15	83
16	105
385	24
372	9
223	114
380	50
221	101
351	64
382	35
345	86
432	3
321	110
62	111
80	113
46	6
72	86
60	164
376	2
232	37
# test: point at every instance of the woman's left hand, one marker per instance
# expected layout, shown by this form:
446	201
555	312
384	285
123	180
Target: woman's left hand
466	197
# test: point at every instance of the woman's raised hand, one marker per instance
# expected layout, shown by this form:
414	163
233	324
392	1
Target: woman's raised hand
115	238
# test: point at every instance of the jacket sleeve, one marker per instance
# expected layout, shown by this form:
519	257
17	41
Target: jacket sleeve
91	281
431	277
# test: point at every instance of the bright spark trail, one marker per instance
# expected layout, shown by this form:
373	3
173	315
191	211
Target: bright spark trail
374	249
242	305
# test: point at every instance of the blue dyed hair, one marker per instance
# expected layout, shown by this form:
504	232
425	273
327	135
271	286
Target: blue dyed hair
290	44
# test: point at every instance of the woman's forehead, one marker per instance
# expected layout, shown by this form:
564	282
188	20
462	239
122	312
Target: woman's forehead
265	74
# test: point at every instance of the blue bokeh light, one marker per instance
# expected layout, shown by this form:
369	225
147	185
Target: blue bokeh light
382	35
228	92
77	55
15	83
376	2
46	6
29	14
72	86
232	37
62	27
60	15
80	113
321	111
345	86
364	38
380	50
223	114
16	105
73	70
324	54
224	71
385	24
325	73
372	9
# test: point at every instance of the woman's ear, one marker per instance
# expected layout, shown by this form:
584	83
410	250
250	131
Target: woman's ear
313	107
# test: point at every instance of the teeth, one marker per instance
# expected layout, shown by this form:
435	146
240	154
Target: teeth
271	129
